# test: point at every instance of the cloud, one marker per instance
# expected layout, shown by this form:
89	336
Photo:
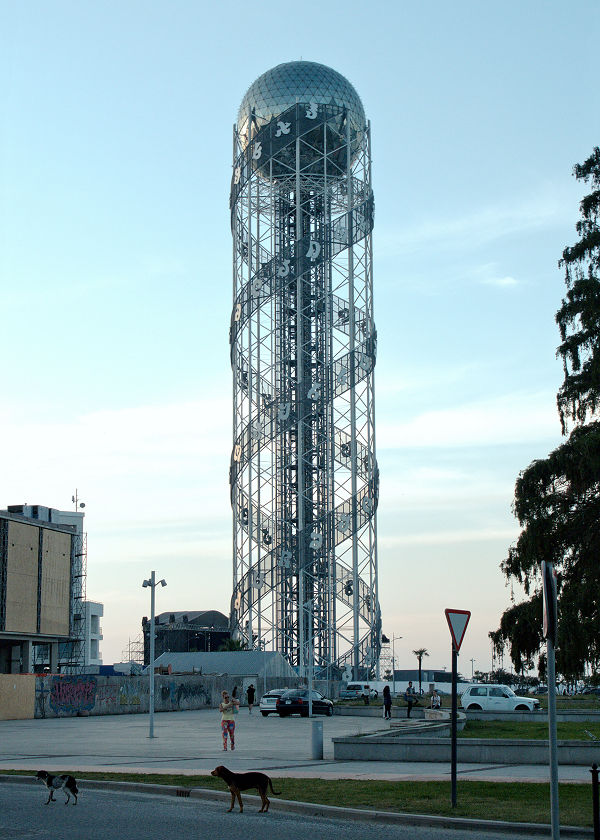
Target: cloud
500	281
469	231
449	537
489	274
148	458
507	419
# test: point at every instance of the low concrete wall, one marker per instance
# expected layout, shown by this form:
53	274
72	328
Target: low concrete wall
69	696
377	711
469	750
17	696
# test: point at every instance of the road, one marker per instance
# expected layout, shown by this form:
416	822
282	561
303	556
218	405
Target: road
104	815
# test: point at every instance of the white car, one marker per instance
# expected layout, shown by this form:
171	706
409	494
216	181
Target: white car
496	698
268	702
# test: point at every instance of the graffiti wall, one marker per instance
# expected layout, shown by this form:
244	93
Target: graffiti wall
69	696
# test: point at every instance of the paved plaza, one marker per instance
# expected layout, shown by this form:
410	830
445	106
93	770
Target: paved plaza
190	743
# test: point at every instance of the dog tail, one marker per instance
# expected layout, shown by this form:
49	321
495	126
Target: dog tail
276	792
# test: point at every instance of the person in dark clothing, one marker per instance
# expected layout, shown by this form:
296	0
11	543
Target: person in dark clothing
250	694
387	702
410	698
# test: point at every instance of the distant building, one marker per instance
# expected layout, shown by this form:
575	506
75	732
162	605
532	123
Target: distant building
91	658
40	581
427	676
259	664
93	612
186	632
440	680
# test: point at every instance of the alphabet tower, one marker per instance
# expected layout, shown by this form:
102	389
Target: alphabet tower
303	475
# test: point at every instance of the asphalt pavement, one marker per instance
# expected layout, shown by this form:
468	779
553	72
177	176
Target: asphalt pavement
189	743
102	814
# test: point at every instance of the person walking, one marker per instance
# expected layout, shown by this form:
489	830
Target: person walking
387	703
410	698
250	694
228	708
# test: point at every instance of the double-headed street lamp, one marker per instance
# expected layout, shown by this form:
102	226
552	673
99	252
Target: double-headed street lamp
152	583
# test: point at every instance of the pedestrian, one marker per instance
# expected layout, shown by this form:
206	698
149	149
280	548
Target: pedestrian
250	694
387	703
436	700
410	698
228	708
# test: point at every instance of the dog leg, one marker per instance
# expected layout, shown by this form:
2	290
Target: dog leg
232	800
239	796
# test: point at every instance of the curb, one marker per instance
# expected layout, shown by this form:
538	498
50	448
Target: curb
328	811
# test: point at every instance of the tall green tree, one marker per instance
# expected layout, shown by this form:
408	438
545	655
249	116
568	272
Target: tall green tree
557	499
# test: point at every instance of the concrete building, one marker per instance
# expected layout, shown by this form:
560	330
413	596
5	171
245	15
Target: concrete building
91	658
186	632
40	580
93	612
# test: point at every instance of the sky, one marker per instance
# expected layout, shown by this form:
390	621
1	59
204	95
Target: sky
116	280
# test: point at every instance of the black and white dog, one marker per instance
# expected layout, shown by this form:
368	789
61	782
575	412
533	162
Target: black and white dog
66	783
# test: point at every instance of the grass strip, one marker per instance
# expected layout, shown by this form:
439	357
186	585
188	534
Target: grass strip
534	730
509	801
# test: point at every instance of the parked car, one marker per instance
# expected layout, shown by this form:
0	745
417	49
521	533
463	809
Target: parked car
497	698
268	702
295	702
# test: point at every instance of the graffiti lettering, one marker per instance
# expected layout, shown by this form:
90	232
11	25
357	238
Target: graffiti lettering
70	695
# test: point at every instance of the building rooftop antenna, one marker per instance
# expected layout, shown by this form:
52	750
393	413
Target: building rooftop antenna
75	500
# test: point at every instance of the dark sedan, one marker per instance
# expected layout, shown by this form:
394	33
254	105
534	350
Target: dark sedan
295	702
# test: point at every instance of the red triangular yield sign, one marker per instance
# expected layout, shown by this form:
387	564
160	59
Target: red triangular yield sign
457	622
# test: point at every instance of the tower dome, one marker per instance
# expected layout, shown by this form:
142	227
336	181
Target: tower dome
299	81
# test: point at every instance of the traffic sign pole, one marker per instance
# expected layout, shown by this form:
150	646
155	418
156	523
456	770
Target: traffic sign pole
549	627
453	762
457	622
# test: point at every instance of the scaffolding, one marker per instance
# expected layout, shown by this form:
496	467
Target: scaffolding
134	652
72	653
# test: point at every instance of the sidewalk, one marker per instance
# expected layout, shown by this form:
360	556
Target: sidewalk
189	743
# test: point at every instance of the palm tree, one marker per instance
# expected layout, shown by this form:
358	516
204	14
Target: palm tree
232	644
420	653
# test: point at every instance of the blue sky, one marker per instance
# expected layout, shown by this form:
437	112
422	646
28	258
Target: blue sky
115	278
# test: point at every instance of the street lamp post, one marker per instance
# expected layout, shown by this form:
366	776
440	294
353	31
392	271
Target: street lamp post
472	666
394	663
152	583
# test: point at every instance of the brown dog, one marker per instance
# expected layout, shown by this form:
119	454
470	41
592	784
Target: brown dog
237	782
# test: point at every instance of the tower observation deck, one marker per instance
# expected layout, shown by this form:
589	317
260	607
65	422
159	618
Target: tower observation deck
303	473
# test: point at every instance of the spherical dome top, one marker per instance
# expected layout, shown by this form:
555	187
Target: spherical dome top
299	81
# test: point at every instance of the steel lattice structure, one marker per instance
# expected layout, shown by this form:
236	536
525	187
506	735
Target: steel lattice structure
303	474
